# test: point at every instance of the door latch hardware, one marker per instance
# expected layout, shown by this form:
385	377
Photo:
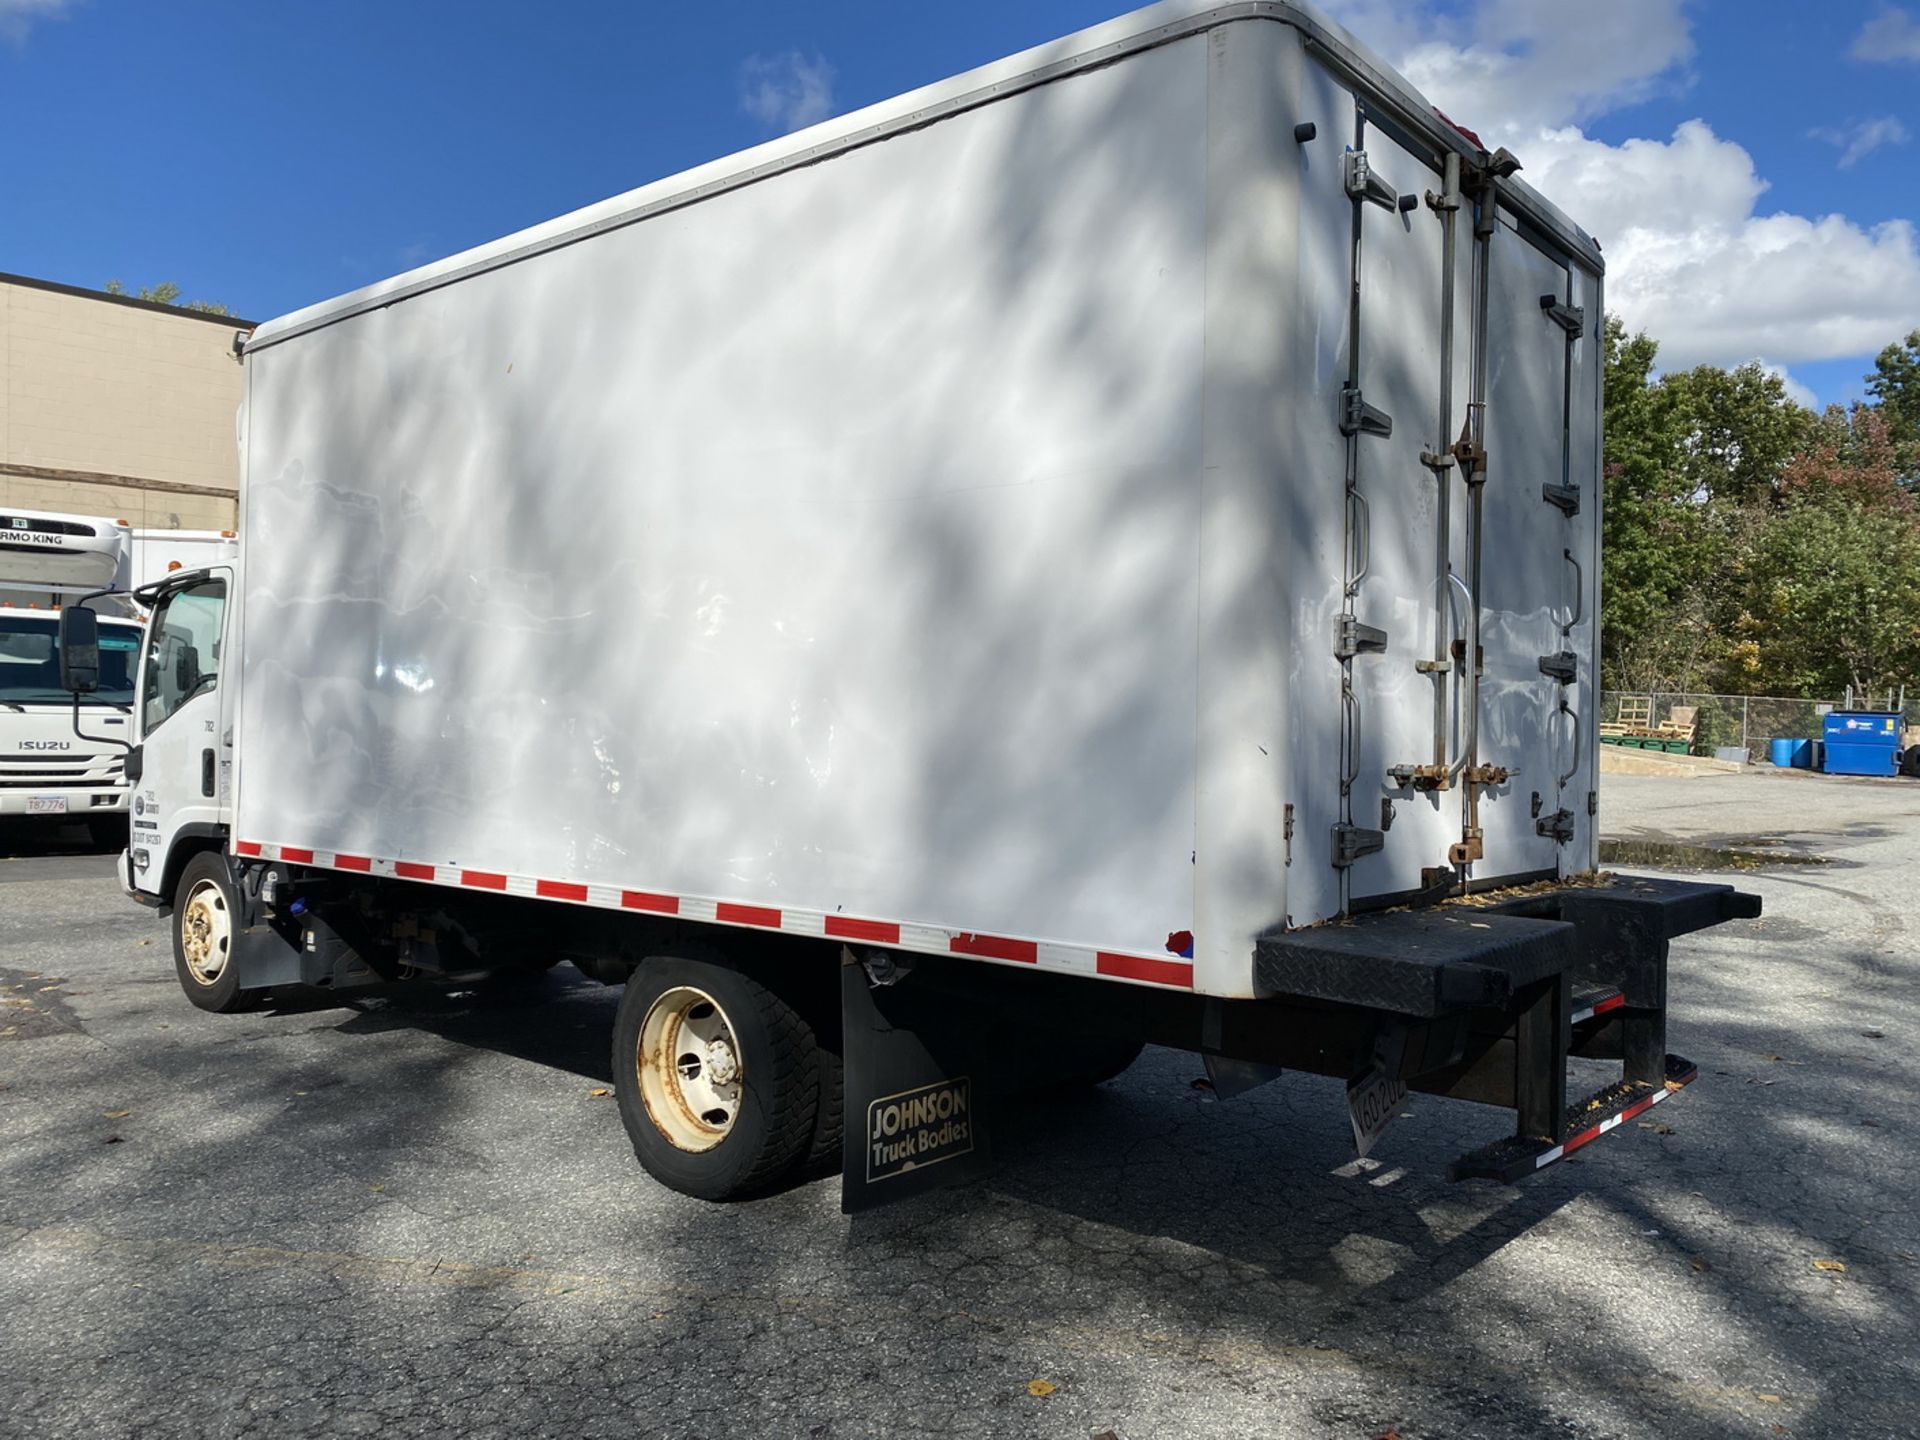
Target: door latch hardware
1363	184
1562	666
1465	852
1570	318
1564	497
1421	777
1359	418
1353	639
1487	774
1350	842
1437	459
1557	827
1433	667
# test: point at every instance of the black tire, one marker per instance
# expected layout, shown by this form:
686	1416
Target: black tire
1910	762
826	1154
780	1063
209	988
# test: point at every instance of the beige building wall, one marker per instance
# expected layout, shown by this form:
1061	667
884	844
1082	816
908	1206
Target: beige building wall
117	407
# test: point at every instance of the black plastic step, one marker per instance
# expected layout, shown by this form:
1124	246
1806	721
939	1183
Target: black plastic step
1587	1120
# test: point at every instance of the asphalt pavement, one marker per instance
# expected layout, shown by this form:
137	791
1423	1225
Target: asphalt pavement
416	1217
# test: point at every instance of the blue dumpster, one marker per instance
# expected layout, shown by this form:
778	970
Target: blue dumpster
1862	742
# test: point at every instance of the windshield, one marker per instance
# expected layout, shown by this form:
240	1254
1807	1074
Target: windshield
30	662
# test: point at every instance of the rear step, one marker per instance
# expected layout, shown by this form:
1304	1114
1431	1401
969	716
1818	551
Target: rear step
1587	1120
1593	1001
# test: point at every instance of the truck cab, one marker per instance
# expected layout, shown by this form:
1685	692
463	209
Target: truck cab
50	770
47	771
182	768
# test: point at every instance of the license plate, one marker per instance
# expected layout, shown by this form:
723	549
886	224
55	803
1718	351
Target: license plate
1373	1099
1372	1102
46	805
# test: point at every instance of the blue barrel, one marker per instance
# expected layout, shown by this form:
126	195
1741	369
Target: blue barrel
1780	751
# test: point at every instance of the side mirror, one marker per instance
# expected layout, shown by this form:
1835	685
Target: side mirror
186	670
79	650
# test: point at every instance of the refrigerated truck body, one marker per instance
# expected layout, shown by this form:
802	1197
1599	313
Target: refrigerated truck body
1110	540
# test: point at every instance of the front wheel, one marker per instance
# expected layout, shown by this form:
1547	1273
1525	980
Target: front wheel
204	923
720	1080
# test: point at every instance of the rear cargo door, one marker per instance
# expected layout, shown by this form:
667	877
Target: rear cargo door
1406	607
1535	570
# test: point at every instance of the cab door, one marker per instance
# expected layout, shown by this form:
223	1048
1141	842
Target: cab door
185	777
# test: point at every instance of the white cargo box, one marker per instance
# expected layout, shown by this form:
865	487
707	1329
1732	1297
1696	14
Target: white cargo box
938	527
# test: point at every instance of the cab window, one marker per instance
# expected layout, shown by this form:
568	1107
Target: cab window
183	650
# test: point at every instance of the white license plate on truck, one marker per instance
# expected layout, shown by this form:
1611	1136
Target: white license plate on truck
46	805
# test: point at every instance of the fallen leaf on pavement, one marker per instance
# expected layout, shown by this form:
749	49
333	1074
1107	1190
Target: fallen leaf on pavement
1699	1265
1832	1266
115	1114
115	1140
1201	1083
1873	1034
599	1090
1388	1434
146	942
1040	1389
1770	1399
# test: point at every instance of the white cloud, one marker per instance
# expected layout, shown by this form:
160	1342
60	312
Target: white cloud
1692	257
788	92
17	17
1860	140
1891	36
1796	392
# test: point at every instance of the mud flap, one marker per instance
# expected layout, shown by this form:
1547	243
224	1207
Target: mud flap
913	1093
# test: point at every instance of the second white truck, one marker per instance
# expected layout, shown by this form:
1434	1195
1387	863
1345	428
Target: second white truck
49	775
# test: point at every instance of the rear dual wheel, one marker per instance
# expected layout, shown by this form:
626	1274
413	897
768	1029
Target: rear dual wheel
724	1086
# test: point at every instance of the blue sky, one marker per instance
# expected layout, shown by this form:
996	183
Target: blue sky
1752	166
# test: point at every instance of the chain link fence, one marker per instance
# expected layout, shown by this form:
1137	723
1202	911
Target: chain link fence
1746	722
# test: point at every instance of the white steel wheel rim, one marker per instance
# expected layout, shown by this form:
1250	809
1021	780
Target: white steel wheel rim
688	1064
206	932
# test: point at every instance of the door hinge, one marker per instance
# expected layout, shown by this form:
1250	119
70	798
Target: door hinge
1363	184
1563	497
1353	639
1593	802
1563	666
1557	827
1359	418
1570	318
1350	842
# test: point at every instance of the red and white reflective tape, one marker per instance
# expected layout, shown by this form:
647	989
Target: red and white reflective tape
1599	1007
1587	1137
1169	971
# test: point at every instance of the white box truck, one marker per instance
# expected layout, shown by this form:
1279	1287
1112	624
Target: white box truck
157	553
49	774
1099	550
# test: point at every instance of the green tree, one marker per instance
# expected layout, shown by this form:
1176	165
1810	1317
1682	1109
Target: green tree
167	293
1655	539
1895	385
1834	593
1737	430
